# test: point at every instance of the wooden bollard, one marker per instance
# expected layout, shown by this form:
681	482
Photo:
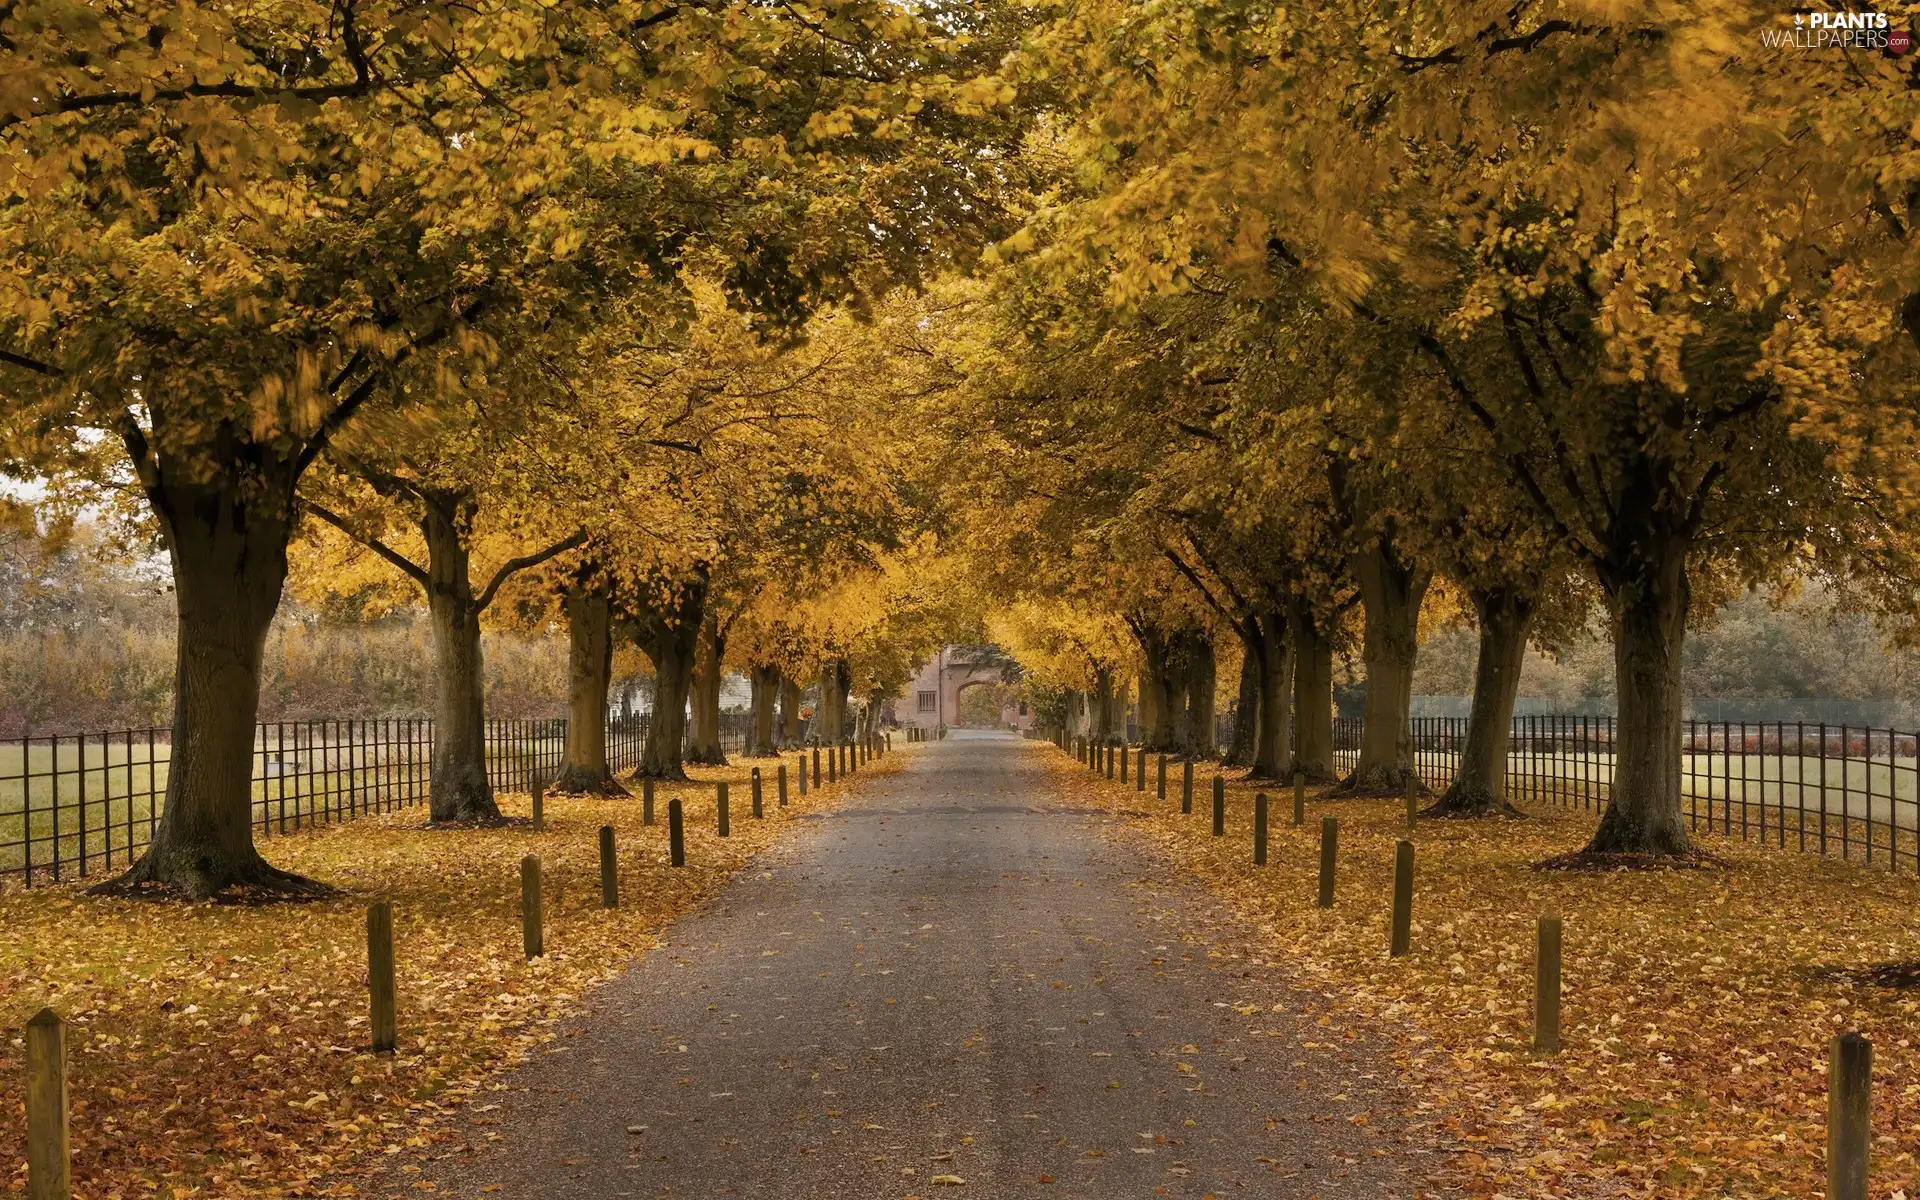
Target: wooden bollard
816	766
1299	799
1413	800
609	870
889	742
782	785
1259	829
1329	851
539	811
1546	985
803	773
646	801
1140	771
1123	762
382	1019
49	1147
833	766
1186	786
1110	757
1400	932
676	834
530	933
1849	1116
1163	777
758	810
721	821
1219	806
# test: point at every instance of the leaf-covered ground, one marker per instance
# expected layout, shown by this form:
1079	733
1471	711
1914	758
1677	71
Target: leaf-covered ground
223	1051
1698	1005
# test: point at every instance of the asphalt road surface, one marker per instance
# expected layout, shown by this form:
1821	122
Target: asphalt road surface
956	976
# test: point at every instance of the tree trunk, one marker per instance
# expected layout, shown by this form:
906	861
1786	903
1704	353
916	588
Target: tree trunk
789	713
1391	592
760	732
830	718
1242	750
669	637
708	668
1480	787
227	541
458	789
1101	704
1647	599
1273	749
589	676
1312	695
1201	680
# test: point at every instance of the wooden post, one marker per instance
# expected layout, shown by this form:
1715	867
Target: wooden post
1110	758
1163	777
1849	1116
1186	786
1299	799
1140	771
816	766
782	785
803	772
49	1148
646	801
1413	800
539	811
720	810
758	811
1123	762
609	870
1329	850
889	749
833	765
1219	806
530	936
1546	985
382	1020
676	834
1259	829
1400	936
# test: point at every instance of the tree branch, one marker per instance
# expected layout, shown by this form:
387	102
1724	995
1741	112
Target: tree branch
406	565
512	565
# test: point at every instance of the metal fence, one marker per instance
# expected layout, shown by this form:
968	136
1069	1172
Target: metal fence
1836	790
73	806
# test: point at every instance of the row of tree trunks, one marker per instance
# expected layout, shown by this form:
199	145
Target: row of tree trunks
1391	591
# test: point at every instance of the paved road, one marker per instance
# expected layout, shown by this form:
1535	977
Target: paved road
955	976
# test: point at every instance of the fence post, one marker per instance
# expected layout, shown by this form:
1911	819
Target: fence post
609	870
1849	1116
1163	777
1329	850
783	785
1299	799
758	812
1186	786
1259	829
1546	985
676	834
48	1147
382	1019
1400	936
1219	806
720	810
530	936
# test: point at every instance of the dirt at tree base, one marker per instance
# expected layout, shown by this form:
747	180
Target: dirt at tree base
258	885
1615	860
